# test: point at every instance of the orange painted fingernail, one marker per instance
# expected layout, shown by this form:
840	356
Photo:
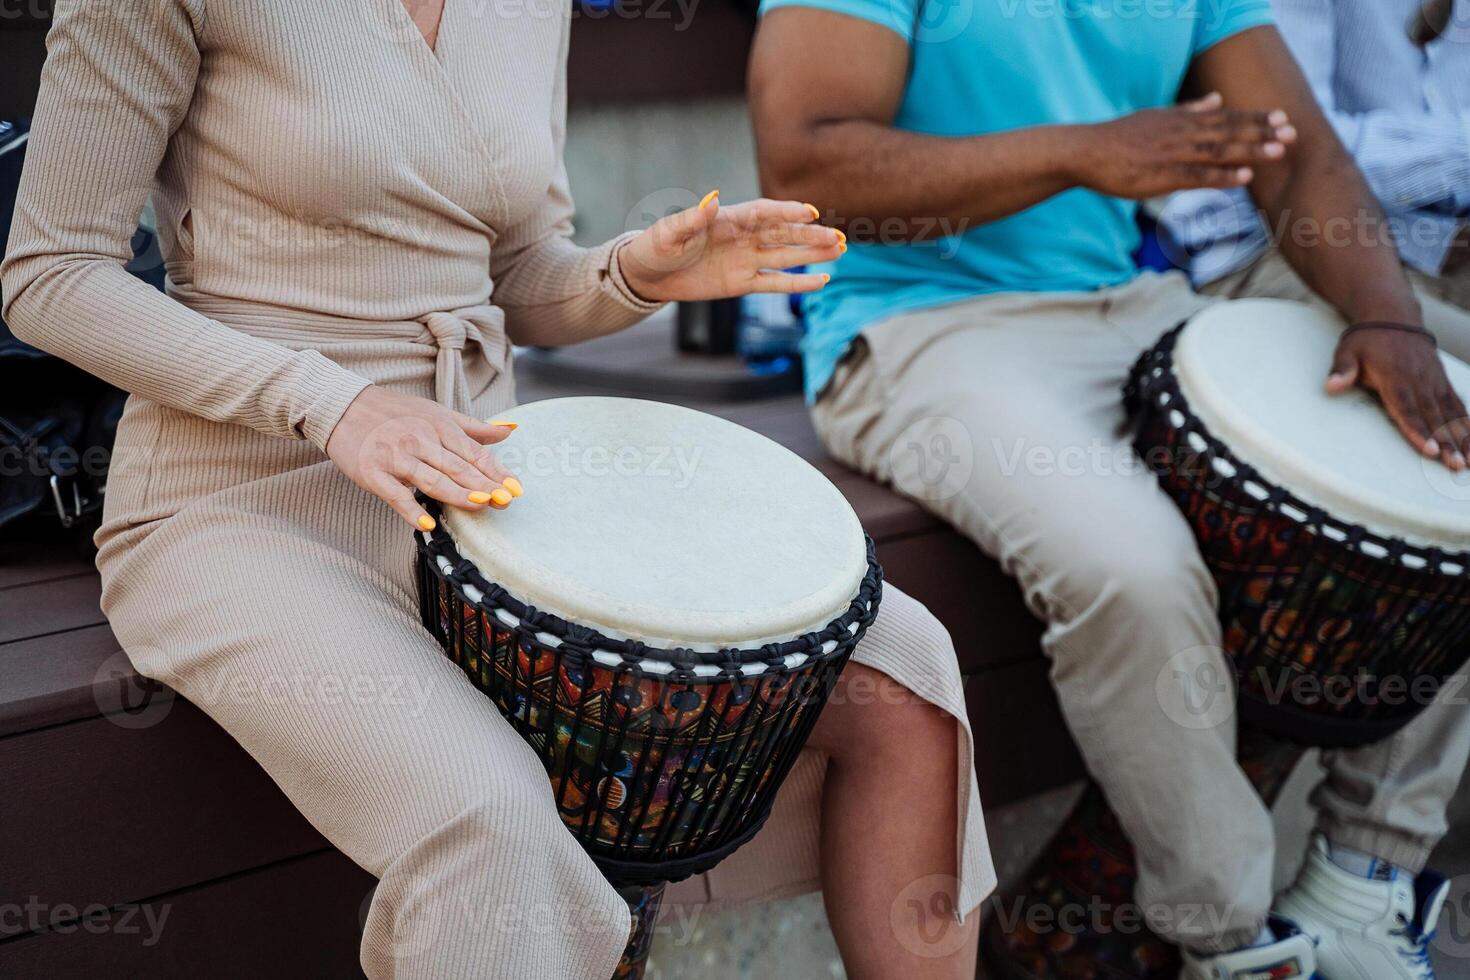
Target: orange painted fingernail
813	209
841	249
826	279
514	486
426	522
504	424
479	497
841	237
709	197
500	497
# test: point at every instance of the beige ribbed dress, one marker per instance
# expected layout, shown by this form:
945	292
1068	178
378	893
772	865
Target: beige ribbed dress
338	206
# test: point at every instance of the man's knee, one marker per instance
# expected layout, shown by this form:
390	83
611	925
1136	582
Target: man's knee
1141	581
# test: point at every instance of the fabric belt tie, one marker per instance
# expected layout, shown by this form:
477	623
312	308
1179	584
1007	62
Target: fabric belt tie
450	332
455	331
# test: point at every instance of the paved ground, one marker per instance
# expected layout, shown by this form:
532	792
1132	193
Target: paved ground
790	940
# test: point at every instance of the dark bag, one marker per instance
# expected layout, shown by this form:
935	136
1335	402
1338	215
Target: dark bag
57	423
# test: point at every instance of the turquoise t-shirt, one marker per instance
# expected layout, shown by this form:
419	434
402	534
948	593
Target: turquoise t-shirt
986	66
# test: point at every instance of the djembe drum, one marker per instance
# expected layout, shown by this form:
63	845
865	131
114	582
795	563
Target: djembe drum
661	617
1340	558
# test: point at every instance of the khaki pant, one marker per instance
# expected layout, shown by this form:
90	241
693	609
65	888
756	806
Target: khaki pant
1003	415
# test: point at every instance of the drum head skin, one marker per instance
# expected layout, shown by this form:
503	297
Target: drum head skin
652	522
1253	373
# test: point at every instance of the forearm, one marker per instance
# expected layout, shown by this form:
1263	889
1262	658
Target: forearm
1328	223
874	179
557	293
91	312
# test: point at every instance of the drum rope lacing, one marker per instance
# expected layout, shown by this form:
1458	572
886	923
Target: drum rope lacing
1152	381
1337	635
663	761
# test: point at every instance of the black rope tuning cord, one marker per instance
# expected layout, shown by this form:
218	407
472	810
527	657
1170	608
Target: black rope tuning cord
1338	635
662	761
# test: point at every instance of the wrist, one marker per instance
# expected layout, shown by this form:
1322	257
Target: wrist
1070	152
631	273
1378	311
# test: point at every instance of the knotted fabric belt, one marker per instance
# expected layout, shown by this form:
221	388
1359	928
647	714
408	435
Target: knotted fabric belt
452	333
469	344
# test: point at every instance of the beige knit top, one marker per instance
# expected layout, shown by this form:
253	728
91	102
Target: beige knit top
314	157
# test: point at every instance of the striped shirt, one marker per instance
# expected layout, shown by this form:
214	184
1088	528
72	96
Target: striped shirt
1402	110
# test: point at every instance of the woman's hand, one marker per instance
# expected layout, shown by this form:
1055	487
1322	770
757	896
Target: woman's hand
711	252
389	444
1401	367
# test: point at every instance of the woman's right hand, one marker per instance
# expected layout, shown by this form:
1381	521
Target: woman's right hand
391	444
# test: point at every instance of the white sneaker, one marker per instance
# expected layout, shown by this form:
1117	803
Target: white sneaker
1291	956
1366	929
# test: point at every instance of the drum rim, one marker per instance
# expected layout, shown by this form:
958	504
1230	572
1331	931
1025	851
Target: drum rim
771	589
818	645
1153	376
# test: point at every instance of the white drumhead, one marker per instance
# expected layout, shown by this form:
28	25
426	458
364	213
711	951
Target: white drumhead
1253	373
657	523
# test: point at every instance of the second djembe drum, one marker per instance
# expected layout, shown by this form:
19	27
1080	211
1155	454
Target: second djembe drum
1342	561
662	617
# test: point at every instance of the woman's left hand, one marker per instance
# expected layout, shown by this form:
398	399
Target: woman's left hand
711	252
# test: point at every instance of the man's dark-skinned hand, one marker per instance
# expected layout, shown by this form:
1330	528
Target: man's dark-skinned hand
1196	144
1403	370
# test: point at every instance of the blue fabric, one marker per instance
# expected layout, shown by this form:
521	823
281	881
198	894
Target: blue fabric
1401	110
987	66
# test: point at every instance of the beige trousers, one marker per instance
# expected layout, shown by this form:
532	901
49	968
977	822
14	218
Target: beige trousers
250	575
1003	415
